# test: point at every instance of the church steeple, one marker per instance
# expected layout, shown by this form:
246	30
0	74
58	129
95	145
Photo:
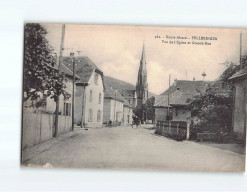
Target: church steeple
141	85
142	68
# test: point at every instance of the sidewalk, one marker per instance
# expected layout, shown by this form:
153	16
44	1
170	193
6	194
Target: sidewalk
33	151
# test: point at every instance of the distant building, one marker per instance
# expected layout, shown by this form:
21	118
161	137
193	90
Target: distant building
89	97
128	113
126	89
142	85
116	108
240	103
180	91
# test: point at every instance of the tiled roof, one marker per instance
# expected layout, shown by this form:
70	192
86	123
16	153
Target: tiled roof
84	67
188	87
128	93
113	93
125	88
240	74
180	92
68	72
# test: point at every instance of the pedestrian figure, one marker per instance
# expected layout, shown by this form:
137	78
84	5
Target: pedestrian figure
109	124
136	121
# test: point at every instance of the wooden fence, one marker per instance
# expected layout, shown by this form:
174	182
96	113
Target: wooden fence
178	130
40	127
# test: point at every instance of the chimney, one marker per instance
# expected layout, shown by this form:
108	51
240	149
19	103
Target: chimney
175	82
194	78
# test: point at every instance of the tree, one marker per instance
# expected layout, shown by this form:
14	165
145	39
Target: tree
150	109
146	111
213	111
40	75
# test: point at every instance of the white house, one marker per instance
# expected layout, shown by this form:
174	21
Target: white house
89	97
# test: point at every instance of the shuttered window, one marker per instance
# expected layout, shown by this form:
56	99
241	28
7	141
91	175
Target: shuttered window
98	116
90	115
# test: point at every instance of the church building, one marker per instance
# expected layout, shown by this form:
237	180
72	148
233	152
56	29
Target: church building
142	85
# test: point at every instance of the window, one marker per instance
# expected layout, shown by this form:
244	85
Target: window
67	109
91	96
98	116
99	98
90	115
96	77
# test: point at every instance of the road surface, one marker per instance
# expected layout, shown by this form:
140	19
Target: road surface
127	148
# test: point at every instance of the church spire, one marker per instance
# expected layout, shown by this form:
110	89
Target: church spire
141	85
142	68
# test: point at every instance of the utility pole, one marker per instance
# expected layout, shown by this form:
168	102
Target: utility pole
240	63
73	89
168	109
115	105
59	71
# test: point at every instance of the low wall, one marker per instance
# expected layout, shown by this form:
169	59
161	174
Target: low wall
36	128
65	124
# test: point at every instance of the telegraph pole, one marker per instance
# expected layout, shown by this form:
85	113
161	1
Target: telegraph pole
73	89
59	71
240	51
168	109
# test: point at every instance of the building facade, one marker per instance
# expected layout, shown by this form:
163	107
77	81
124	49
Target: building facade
240	104
89	97
127	90
116	108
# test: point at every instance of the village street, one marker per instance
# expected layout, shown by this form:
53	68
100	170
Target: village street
130	148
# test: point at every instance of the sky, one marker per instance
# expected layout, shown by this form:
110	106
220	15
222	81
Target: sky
116	50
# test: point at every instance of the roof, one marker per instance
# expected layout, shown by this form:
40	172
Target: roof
113	93
176	98
84	67
125	88
180	92
128	93
68	72
188	87
118	84
241	74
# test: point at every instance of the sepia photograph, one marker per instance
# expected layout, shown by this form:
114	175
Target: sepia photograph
128	97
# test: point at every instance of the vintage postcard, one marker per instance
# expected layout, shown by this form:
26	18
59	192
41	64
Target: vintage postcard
134	97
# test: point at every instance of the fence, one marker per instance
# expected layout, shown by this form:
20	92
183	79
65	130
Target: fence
36	128
178	130
40	127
